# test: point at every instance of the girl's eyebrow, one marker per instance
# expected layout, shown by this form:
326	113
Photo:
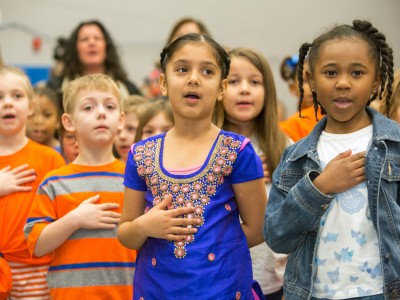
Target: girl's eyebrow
336	64
185	61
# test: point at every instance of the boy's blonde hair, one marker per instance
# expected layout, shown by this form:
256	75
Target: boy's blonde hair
16	71
99	82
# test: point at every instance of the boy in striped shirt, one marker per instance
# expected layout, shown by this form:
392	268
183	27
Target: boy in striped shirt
77	207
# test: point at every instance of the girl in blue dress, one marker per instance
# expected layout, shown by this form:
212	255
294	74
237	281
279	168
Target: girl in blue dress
185	189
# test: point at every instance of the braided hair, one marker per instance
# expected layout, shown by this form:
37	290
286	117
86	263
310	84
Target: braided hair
380	51
221	56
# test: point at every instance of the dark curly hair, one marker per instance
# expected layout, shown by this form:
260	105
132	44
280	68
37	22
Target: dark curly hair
73	67
380	52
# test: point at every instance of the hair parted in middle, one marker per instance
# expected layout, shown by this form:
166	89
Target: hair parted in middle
380	52
221	56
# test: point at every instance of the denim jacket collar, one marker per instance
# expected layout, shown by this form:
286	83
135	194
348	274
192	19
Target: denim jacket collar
308	146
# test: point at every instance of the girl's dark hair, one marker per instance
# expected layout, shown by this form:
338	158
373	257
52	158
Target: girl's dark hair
202	28
112	64
221	56
380	52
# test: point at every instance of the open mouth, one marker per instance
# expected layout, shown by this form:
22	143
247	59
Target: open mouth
342	102
8	116
192	95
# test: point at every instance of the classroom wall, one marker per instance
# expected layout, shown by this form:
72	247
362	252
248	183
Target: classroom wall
140	28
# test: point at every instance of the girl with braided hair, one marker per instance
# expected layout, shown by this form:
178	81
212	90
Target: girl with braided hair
334	205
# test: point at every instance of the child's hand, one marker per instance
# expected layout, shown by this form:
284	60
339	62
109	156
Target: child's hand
96	216
166	224
267	175
342	173
13	180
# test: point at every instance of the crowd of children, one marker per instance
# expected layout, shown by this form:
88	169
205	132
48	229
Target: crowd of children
201	190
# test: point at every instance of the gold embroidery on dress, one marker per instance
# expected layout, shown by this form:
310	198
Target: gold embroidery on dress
186	192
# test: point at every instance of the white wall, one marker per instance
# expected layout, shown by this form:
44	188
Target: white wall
276	28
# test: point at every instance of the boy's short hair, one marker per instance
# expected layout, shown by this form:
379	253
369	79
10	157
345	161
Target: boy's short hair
98	82
16	71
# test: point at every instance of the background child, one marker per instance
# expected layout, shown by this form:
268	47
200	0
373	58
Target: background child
394	101
77	207
206	177
133	107
155	118
44	122
69	144
300	124
334	203
249	108
23	163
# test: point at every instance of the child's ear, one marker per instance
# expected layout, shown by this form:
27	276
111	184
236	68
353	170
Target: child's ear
376	84
222	90
163	85
67	122
121	122
310	79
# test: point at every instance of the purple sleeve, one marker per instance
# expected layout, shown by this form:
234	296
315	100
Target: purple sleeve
132	179
248	165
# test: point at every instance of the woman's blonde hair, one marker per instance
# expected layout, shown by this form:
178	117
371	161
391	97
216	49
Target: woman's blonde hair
271	139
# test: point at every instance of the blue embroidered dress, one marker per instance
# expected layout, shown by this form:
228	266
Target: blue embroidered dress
214	263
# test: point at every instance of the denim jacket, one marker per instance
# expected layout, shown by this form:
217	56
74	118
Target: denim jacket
295	206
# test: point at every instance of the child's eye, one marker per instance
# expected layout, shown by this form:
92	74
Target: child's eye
207	72
357	73
233	81
330	73
110	107
48	115
131	129
88	107
255	82
182	69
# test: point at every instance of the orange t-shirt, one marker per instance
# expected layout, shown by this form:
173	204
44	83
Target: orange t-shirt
297	127
14	208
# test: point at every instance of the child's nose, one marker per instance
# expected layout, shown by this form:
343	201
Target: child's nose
244	87
193	79
343	82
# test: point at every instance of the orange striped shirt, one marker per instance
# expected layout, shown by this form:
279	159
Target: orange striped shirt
91	264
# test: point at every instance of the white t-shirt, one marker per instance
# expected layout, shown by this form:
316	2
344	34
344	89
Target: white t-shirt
347	260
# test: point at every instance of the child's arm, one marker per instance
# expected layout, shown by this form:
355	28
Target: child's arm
136	227
87	215
251	198
13	180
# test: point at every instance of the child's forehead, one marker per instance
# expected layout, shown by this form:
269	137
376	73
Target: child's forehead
192	51
12	78
97	94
